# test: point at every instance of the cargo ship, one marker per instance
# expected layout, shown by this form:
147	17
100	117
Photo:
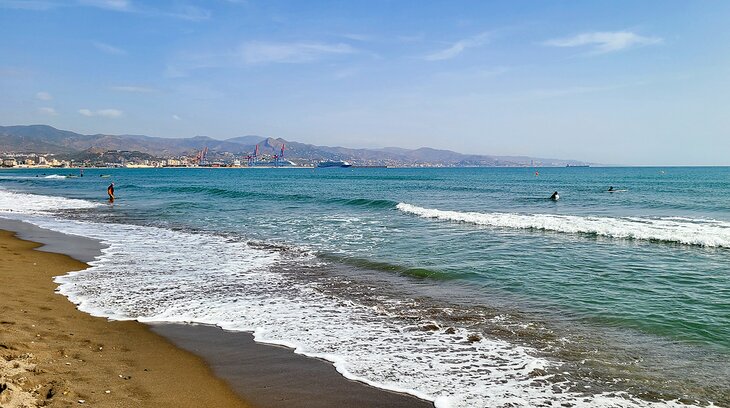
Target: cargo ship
334	163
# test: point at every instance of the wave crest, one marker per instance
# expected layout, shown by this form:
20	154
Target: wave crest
687	231
34	203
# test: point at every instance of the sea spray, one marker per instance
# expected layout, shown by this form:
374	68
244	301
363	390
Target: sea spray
14	202
700	232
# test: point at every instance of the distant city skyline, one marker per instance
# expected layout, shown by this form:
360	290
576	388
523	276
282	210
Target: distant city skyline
620	82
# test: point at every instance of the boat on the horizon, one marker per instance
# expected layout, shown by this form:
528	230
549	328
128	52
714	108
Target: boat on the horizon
334	163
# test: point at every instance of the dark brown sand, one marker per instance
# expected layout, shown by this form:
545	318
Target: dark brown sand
275	377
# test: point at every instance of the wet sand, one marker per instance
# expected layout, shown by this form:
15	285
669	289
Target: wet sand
51	354
275	377
55	355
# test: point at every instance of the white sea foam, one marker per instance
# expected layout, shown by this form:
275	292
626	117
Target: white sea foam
11	202
55	176
152	274
701	232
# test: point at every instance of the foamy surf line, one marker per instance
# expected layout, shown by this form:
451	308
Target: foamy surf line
159	275
24	203
698	232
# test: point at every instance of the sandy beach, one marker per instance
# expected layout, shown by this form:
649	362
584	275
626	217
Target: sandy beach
274	377
54	355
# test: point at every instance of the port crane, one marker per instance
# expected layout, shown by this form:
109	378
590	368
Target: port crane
202	156
280	156
252	159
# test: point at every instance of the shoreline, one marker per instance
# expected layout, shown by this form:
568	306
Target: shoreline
55	355
261	374
274	376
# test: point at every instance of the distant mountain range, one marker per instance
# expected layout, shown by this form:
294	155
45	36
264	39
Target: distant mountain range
49	140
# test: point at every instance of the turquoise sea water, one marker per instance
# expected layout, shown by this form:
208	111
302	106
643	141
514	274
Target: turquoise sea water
629	292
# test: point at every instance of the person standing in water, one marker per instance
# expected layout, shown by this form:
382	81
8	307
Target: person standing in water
110	191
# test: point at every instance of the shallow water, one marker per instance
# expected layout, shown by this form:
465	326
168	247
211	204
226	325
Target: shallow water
464	286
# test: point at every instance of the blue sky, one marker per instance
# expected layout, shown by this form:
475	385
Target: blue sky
621	82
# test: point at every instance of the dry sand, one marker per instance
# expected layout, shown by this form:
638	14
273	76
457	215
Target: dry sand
53	355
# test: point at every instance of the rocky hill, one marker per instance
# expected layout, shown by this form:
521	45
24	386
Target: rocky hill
49	140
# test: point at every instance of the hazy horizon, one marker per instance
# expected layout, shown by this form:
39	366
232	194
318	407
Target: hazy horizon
616	83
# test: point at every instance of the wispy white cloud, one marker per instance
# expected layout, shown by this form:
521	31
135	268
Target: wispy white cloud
117	5
188	12
38	5
257	52
603	42
48	111
43	96
176	117
458	47
44	5
109	49
180	11
104	113
133	88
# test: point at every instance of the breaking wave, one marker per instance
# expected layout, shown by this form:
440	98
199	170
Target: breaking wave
160	275
243	290
34	204
686	231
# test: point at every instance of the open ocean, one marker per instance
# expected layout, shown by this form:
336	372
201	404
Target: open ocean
467	287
